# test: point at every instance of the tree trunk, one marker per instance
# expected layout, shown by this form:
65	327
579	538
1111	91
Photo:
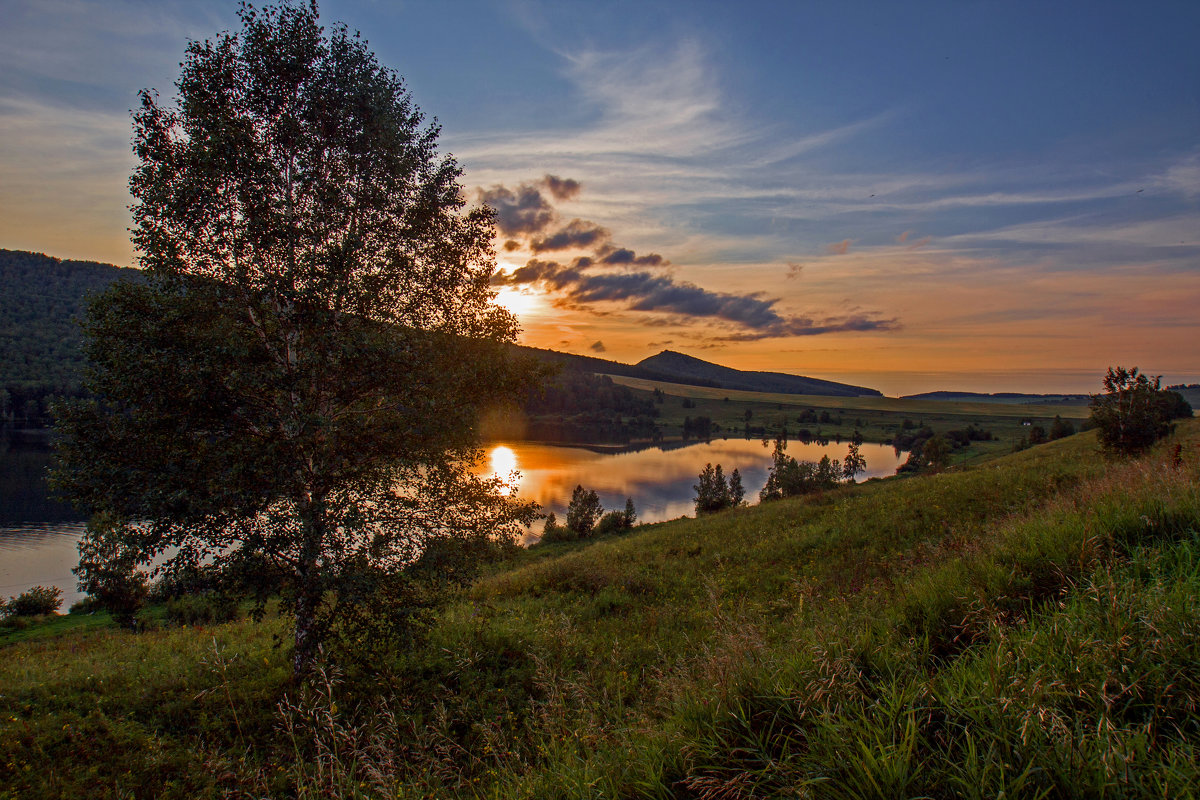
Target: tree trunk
308	584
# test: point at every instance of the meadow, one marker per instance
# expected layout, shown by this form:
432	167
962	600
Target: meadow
1023	626
876	419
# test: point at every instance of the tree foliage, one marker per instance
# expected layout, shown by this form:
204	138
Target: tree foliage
1134	411
583	512
789	477
33	602
855	461
715	492
297	384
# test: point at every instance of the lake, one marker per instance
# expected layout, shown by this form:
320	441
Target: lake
38	536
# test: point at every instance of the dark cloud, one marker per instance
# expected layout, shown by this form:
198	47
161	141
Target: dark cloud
525	210
518	211
598	347
512	244
644	291
794	270
550	273
576	233
561	188
625	257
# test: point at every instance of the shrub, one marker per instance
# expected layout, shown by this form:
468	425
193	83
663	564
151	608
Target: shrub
1061	428
108	570
201	609
553	532
34	602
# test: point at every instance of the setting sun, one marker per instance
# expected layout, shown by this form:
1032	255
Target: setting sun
519	302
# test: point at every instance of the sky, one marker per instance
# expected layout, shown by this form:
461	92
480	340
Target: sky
984	196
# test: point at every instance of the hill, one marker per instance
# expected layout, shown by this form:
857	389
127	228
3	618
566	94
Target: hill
40	342
680	368
1024	629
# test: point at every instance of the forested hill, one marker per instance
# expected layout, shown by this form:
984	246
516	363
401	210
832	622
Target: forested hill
687	369
40	341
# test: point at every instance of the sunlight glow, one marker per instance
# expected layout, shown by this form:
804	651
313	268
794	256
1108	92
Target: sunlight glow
504	466
517	301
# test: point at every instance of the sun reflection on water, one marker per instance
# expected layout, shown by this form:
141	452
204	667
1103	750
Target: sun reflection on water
504	466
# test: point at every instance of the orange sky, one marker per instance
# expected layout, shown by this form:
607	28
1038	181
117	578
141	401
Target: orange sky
947	197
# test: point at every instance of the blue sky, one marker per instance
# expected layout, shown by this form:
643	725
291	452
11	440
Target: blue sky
909	195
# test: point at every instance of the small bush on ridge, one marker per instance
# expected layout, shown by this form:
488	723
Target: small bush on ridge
32	603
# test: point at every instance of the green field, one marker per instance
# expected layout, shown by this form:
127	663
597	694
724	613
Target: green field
876	419
1024	627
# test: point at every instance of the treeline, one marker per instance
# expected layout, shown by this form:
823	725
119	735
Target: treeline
26	406
579	406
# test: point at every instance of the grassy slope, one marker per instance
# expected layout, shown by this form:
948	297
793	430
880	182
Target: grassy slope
1027	626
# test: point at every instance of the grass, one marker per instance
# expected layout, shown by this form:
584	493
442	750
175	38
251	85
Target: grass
1025	627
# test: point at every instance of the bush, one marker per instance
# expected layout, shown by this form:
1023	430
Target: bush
201	609
1061	428
553	532
108	570
37	601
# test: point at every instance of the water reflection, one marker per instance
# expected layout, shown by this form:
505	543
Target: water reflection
659	479
38	537
39	554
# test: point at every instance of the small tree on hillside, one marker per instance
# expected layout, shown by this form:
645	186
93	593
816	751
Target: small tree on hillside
855	462
630	513
715	492
584	511
737	492
1133	413
936	453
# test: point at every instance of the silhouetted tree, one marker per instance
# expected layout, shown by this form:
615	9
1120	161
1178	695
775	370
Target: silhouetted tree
300	378
583	511
1133	412
854	463
715	492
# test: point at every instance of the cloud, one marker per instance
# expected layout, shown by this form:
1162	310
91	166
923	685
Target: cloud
597	347
562	188
647	292
624	257
576	234
902	238
794	269
519	211
838	248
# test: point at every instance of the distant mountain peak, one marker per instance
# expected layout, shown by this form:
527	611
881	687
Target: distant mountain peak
687	368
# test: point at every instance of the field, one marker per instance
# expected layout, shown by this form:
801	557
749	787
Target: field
1025	626
876	419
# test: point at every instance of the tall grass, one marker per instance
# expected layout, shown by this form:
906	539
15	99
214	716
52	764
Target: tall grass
1026	628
